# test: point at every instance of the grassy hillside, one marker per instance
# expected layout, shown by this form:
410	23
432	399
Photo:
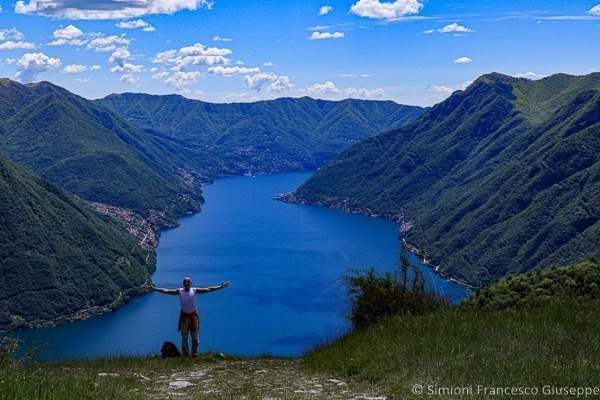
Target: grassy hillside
59	258
267	136
500	178
89	151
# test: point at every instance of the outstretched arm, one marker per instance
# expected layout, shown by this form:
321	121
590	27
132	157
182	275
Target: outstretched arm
213	288
161	290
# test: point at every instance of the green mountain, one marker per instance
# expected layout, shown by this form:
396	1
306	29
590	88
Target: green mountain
60	260
90	151
263	137
500	178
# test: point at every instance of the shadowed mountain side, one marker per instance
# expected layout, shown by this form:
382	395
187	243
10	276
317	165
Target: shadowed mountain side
285	134
60	260
90	151
500	178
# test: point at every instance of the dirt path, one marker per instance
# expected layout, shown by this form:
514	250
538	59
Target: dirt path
253	379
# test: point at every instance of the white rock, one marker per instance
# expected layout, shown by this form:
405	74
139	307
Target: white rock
180	384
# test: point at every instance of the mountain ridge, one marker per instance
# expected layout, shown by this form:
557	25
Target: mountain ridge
478	166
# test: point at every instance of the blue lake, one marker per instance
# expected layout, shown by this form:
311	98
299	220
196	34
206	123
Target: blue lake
283	260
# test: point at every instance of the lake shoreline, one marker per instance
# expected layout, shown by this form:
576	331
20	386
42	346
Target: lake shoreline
290	197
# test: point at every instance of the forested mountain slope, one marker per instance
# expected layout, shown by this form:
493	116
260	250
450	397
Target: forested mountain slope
59	257
279	135
500	178
90	151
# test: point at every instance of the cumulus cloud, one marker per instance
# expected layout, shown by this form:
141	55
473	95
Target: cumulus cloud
530	75
231	71
365	93
69	35
326	35
376	9
10	45
268	81
74	69
325	10
595	10
12	39
103	43
454	28
321	89
197	54
221	39
182	79
442	89
355	76
11	34
137	24
106	9
463	60
429	31
32	64
160	75
127	70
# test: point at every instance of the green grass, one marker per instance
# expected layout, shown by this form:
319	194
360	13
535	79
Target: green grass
557	346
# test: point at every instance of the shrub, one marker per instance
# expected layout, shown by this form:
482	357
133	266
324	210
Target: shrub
374	296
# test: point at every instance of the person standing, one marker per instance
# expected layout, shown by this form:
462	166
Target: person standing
189	321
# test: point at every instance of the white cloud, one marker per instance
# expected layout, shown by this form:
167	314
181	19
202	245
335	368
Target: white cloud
530	75
197	54
160	75
463	60
13	39
138	23
325	10
32	64
74	69
107	43
221	39
11	34
595	11
355	76
106	9
386	10
326	35
127	70
268	81
429	31
454	27
10	45
82	80
321	88
465	85
442	89
182	79
69	35
268	64
231	71
365	93
10	61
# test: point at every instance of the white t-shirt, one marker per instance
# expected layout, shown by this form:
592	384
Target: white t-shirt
188	300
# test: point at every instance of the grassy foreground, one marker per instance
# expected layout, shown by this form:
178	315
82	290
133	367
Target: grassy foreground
456	354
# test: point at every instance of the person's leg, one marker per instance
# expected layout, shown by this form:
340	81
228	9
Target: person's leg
195	339
185	328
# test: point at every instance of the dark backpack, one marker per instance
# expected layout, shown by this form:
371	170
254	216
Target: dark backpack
169	350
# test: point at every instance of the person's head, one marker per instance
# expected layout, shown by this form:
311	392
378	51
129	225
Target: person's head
187	282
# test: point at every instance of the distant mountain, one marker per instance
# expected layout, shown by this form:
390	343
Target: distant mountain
286	134
500	178
90	151
58	256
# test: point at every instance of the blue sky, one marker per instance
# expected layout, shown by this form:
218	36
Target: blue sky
410	51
